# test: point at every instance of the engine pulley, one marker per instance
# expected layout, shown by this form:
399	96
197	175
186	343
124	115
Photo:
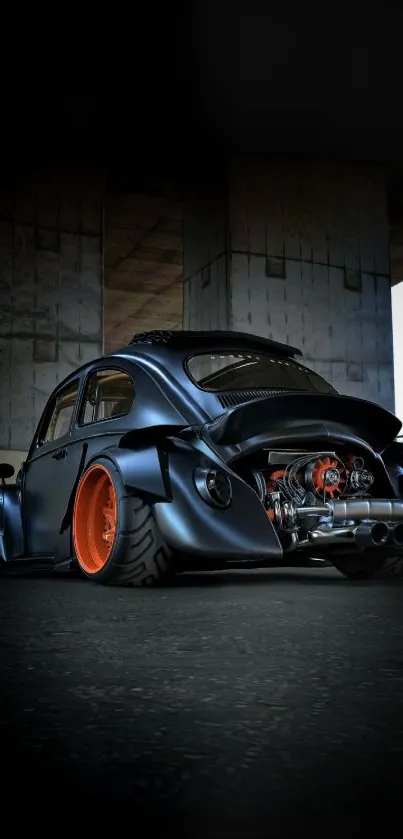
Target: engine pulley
360	479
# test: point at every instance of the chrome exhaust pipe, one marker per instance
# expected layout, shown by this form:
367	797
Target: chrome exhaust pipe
333	535
340	512
396	535
372	534
374	509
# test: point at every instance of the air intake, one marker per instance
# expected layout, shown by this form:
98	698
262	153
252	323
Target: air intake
237	397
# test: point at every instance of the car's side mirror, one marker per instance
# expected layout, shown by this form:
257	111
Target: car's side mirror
6	471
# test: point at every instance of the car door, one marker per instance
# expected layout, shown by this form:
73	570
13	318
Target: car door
101	418
49	475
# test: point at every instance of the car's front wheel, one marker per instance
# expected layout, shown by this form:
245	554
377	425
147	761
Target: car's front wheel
115	538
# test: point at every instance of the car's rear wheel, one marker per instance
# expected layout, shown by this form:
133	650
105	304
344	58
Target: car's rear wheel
392	566
358	567
115	538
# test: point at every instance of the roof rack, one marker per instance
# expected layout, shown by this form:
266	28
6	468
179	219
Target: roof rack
179	338
156	336
203	337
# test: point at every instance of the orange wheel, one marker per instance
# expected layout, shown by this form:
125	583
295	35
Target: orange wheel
115	537
95	519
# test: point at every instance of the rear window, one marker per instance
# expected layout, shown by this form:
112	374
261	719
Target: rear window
247	371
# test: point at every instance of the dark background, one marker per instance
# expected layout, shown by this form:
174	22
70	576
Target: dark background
175	87
172	81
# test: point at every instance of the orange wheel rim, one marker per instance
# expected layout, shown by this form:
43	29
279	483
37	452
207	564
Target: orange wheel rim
95	519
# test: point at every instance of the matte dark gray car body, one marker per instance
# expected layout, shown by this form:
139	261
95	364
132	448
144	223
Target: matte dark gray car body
173	429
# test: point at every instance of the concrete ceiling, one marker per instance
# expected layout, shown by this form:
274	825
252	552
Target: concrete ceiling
143	264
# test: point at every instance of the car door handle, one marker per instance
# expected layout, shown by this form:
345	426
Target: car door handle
60	454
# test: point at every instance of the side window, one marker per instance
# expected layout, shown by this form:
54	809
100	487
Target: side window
109	393
58	419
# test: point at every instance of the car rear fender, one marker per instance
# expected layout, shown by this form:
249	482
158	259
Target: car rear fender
142	469
164	475
241	531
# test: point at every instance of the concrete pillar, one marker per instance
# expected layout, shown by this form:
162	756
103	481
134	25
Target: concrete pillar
50	291
299	253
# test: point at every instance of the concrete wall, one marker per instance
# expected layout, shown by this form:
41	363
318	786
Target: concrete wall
15	458
305	261
205	256
50	290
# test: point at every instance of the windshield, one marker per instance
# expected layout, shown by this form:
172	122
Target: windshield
230	370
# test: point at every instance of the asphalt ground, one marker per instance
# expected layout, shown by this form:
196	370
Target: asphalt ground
253	703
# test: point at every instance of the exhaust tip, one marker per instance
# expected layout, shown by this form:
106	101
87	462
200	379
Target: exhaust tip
397	535
372	534
380	533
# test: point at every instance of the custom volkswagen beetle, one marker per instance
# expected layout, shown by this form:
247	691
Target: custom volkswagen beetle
198	450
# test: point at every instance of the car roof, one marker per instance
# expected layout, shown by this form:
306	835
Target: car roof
173	346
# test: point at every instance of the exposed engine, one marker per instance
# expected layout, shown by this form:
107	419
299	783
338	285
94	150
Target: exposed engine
318	497
310	477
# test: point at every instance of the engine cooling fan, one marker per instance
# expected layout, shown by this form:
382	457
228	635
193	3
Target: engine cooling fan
322	475
326	477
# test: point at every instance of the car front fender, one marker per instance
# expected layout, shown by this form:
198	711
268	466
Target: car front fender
11	530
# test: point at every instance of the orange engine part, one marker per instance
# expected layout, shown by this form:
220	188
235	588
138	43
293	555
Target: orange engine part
318	477
273	478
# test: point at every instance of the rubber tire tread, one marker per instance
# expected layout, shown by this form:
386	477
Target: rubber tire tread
392	566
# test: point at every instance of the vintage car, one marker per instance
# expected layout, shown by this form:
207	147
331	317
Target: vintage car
203	450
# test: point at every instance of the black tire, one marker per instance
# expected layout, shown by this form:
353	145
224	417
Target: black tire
139	555
358	567
392	566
